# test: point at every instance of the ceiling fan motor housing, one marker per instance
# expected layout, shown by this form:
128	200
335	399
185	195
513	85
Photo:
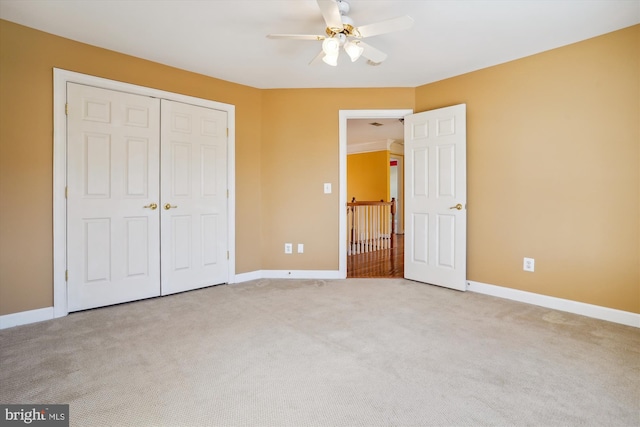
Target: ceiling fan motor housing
344	7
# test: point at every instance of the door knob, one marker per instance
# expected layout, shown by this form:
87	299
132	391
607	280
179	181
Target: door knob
169	206
152	206
458	206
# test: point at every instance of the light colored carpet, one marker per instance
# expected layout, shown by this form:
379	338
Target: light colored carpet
356	352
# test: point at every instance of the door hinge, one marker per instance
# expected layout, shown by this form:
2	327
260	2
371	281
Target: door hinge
227	254
227	131
66	275
227	194
66	192
66	109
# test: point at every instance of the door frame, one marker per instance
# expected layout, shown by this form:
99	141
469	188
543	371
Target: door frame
344	115
60	79
400	199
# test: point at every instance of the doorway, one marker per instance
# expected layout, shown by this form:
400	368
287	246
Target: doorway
344	116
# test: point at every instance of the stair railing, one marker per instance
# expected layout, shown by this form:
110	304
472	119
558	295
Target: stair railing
372	225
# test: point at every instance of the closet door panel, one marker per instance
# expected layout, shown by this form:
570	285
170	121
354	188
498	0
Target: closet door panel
112	179
194	197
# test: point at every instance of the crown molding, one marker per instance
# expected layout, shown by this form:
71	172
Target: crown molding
368	147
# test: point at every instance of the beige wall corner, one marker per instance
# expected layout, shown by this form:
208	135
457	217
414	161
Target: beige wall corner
301	152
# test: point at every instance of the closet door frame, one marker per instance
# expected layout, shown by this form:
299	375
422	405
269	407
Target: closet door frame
60	79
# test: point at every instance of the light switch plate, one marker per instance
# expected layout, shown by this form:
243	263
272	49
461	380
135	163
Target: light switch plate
327	188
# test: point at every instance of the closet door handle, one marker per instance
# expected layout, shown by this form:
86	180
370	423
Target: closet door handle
458	206
169	206
152	206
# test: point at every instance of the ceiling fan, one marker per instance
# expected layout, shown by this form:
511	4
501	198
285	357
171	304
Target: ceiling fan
341	32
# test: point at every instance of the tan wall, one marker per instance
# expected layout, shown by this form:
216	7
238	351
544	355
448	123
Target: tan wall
368	176
553	161
27	58
300	153
553	164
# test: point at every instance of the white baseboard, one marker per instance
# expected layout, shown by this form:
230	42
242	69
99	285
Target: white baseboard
245	277
25	317
301	274
575	307
589	310
288	274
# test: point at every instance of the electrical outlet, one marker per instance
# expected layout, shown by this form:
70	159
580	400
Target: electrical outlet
300	248
288	248
529	264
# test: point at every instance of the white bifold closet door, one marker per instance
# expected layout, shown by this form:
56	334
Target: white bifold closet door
127	239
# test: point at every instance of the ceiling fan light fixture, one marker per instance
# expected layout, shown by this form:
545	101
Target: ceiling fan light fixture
331	46
331	59
353	50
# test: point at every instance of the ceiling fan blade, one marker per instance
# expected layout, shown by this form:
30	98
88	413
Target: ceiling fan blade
317	58
296	37
331	14
372	54
383	27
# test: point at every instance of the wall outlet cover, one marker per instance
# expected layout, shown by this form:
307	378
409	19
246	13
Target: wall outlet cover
529	264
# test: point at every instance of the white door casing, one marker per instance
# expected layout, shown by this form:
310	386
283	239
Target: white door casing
194	197
113	169
343	117
436	197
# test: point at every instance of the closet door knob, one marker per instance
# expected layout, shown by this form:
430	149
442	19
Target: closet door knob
458	206
152	206
169	206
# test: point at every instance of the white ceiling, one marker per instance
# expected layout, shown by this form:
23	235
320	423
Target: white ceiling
226	38
360	130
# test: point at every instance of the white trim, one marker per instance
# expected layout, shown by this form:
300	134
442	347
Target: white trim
589	310
301	274
26	317
342	138
246	277
396	149
575	307
288	274
60	80
370	147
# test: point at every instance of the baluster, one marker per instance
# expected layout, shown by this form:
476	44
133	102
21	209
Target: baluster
365	228
385	218
376	229
368	228
357	229
393	221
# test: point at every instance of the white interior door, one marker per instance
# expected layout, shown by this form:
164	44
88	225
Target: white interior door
436	197
194	197
112	183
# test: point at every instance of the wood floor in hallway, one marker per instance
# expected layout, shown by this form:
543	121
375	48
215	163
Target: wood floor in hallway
384	263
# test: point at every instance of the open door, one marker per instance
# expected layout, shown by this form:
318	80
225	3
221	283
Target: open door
436	196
